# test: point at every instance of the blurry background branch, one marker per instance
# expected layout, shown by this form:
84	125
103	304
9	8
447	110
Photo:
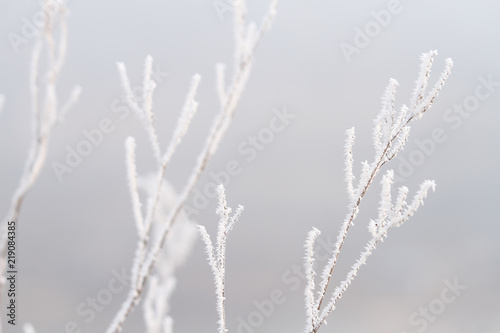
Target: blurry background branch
45	108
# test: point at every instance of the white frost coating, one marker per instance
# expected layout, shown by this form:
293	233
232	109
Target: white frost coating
150	246
349	175
220	72
217	257
174	254
390	133
426	60
46	112
148	88
132	184
311	309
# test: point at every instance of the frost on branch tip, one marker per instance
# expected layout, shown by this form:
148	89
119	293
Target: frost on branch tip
132	184
426	60
422	103
395	214
390	134
311	309
385	123
391	128
217	256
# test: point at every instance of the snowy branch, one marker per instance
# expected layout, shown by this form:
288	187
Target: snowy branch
247	38
46	113
390	133
174	254
311	310
217	257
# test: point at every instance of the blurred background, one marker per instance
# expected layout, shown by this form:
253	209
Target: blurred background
326	64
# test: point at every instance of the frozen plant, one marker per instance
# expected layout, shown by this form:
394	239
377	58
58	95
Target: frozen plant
217	256
389	137
45	108
151	239
391	130
175	252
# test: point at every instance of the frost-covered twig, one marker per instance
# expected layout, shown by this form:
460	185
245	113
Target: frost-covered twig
46	113
388	218
156	191
132	183
149	248
217	256
391	130
45	110
162	283
311	310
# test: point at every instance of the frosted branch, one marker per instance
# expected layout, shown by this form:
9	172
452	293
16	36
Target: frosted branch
398	143
311	310
132	185
209	249
349	175
220	70
370	246
148	88
217	259
234	218
423	77
339	291
419	111
240	12
156	304
391	131
174	254
385	207
219	128
45	111
418	200
400	202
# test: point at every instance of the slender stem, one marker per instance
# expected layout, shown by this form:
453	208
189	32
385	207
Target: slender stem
352	215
